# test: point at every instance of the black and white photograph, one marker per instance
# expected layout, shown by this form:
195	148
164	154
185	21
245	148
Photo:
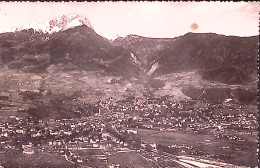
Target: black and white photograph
129	84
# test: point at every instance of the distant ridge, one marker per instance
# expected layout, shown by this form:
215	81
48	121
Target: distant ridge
227	59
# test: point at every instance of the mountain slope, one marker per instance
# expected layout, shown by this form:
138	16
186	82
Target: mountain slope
14	44
227	59
81	46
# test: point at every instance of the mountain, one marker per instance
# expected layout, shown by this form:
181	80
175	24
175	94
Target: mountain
226	59
34	51
71	39
131	65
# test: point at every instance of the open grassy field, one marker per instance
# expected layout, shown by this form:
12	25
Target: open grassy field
129	159
36	160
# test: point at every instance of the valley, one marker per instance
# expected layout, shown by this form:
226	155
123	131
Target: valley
72	98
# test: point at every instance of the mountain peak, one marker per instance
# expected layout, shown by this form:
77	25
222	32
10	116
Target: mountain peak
67	21
61	23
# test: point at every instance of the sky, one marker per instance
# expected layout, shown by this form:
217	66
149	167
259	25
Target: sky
149	19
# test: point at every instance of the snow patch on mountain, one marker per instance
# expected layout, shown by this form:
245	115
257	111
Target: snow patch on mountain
58	24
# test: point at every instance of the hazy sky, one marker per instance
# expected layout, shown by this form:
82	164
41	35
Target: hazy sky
151	19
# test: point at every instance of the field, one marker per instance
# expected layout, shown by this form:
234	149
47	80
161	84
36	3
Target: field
37	160
128	159
206	144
